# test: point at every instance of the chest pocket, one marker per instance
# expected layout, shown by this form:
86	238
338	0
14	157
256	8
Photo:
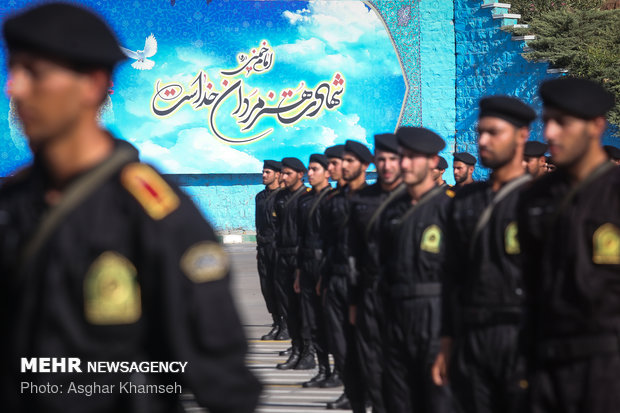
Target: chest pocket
511	241
431	239
606	245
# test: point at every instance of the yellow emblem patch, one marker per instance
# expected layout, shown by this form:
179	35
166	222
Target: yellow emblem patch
111	291
606	245
511	241
431	239
150	189
205	261
450	193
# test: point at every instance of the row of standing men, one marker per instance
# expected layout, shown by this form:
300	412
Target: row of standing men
495	296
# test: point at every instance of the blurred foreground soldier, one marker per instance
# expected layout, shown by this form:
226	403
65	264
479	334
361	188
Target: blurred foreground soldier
483	291
534	159
412	254
438	172
309	262
569	225
613	153
367	309
266	246
101	258
287	241
463	166
337	282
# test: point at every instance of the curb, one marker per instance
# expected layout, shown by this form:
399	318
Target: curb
237	238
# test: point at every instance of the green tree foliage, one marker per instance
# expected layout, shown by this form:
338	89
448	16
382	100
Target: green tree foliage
530	9
587	43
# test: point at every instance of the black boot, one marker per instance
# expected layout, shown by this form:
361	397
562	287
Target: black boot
286	352
341	403
283	333
322	375
275	329
333	380
292	359
306	360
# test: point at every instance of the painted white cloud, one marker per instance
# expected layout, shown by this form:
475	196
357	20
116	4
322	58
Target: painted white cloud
196	57
197	151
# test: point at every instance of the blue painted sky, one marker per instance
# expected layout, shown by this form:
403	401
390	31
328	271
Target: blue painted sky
311	42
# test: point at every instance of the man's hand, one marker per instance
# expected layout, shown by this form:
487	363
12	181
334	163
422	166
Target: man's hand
296	286
440	367
352	314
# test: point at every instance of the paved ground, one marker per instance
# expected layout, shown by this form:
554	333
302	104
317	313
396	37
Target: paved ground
283	392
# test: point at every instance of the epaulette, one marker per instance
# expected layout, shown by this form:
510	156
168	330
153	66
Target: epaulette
450	193
154	194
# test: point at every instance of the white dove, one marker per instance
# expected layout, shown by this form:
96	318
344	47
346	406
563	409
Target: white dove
142	63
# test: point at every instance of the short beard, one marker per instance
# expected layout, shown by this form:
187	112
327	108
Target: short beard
355	175
500	162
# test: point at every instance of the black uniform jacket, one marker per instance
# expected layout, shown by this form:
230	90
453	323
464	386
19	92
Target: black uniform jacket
483	276
413	244
265	215
572	256
132	273
309	226
287	236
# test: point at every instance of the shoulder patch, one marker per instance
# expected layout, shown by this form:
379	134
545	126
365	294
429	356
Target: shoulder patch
606	245
111	291
150	189
450	193
205	261
431	239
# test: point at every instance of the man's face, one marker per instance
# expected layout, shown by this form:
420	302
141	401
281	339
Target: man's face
568	137
317	174
269	176
48	97
462	171
415	166
335	168
290	177
535	165
437	174
352	167
388	166
497	142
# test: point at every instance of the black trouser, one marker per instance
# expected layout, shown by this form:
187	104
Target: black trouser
266	262
413	326
341	339
586	385
486	373
288	300
313	322
370	330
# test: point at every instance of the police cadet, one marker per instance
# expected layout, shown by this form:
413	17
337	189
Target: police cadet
569	226
309	267
336	276
534	159
412	253
266	248
483	291
613	153
366	208
287	239
101	258
463	166
438	172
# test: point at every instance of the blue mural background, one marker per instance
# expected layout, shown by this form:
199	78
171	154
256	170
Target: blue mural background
311	41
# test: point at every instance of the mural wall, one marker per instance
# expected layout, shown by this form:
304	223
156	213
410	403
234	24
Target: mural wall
216	87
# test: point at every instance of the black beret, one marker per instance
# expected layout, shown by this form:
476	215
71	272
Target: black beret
508	108
612	151
65	32
319	158
360	151
443	164
386	142
273	165
420	140
582	98
293	163
335	151
534	148
465	157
